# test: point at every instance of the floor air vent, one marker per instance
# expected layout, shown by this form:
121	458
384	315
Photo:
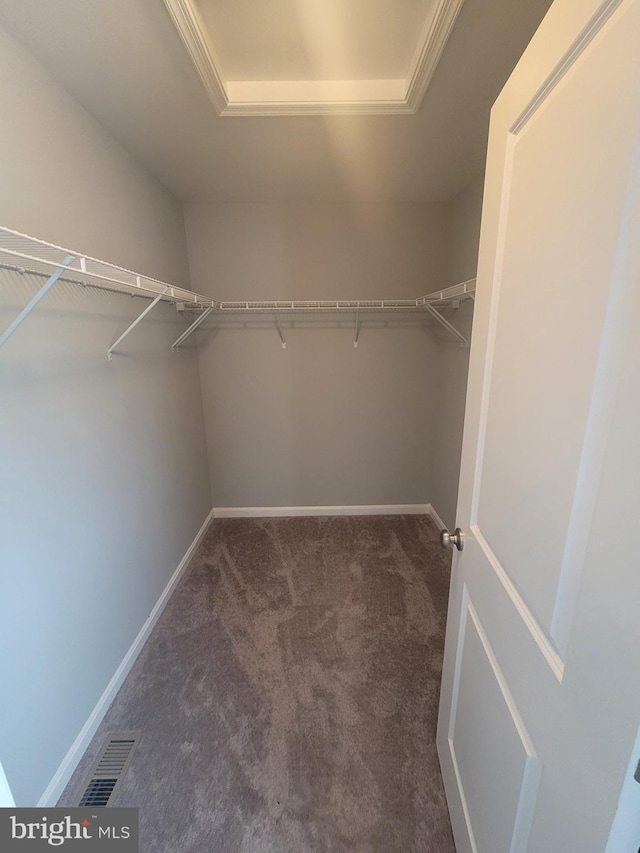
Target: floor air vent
108	770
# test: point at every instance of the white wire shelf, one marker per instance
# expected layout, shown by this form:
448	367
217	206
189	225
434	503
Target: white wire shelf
27	252
30	255
449	296
320	305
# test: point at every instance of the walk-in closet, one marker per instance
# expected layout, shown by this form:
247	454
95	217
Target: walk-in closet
238	278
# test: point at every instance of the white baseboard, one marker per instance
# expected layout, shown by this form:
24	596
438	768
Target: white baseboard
64	772
434	515
294	511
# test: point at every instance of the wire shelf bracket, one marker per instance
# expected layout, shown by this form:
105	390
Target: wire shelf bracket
33	302
203	316
130	328
447	325
280	332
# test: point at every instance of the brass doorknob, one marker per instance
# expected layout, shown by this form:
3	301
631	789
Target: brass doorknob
448	540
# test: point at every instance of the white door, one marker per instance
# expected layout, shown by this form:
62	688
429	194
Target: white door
540	701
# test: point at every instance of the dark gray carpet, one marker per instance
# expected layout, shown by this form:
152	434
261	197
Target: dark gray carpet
288	695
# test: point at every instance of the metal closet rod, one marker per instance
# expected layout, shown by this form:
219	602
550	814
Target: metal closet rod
90	272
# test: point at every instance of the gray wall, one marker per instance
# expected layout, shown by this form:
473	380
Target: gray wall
462	218
104	478
463	215
320	423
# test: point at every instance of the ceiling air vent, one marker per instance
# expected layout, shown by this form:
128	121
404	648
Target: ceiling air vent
109	769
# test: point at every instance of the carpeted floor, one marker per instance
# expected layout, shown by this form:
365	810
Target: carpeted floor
288	695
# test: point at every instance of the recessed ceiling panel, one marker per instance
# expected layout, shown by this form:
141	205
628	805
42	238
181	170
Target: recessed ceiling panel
293	57
314	39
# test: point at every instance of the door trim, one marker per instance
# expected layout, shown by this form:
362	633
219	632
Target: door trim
590	31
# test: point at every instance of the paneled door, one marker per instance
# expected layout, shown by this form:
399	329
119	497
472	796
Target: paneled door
540	702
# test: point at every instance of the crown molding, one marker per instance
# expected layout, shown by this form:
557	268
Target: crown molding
429	49
308	97
190	25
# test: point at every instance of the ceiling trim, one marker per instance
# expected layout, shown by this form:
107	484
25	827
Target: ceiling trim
321	97
429	49
189	24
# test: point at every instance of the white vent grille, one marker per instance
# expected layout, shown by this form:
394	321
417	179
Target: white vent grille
109	769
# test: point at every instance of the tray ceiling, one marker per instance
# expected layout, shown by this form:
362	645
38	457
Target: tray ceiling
312	57
130	71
